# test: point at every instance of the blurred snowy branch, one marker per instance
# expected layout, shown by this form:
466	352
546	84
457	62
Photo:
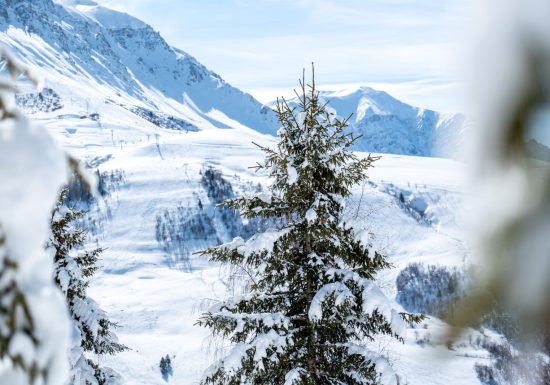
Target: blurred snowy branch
34	327
512	192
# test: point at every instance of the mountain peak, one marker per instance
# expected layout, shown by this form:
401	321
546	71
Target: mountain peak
106	17
387	125
364	101
359	90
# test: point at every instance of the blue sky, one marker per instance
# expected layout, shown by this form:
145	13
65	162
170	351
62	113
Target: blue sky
410	48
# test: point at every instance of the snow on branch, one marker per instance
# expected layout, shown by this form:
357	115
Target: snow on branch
34	327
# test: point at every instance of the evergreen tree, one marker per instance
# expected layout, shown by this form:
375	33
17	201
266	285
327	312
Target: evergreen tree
73	268
15	317
165	367
312	304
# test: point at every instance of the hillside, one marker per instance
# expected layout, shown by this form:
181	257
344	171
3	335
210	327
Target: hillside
95	56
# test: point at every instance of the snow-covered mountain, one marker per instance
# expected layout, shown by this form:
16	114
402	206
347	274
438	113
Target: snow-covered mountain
388	125
97	55
103	56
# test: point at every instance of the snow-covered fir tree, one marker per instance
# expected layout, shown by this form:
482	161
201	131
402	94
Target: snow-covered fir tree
165	367
312	305
73	268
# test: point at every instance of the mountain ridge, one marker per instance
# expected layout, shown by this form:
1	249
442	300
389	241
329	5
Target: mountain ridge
90	52
129	63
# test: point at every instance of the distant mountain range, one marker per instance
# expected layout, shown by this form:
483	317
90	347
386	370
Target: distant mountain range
388	125
94	55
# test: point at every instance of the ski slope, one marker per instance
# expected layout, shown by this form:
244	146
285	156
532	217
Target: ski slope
157	304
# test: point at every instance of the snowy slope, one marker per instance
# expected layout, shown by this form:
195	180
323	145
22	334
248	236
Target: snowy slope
103	55
388	125
157	304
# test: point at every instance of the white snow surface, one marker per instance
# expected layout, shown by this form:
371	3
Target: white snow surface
157	306
338	290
